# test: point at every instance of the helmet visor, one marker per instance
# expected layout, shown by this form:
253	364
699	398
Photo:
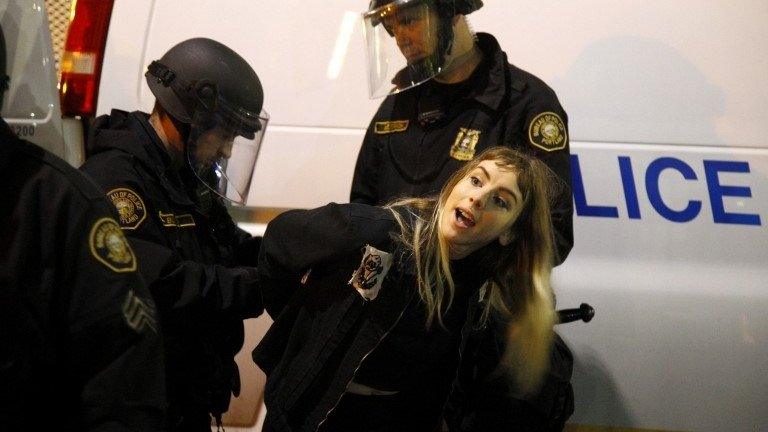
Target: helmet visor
223	146
404	46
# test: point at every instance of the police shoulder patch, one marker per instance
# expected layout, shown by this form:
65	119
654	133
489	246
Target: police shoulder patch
547	132
388	127
129	206
110	247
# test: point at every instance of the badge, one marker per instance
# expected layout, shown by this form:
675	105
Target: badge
130	207
463	147
367	279
388	127
180	221
547	132
110	247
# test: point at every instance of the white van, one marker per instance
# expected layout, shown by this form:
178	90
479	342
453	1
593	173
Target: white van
668	124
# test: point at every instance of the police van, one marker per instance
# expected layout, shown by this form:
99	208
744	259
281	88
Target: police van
668	126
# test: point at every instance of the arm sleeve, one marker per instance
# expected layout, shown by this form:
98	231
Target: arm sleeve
186	287
115	353
366	178
298	240
558	160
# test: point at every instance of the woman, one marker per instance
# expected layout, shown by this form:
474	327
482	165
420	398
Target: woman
372	305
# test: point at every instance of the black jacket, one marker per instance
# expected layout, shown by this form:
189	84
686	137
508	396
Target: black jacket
324	329
191	263
499	104
79	341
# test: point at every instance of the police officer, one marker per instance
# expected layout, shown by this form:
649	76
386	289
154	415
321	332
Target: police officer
79	341
450	94
167	174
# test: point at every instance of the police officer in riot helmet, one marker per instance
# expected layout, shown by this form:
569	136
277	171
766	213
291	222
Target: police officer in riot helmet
168	174
451	93
79	338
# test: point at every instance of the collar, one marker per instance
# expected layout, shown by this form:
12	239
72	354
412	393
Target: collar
155	156
491	91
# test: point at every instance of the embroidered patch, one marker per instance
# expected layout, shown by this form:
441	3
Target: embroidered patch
168	219
110	247
129	206
547	132
138	315
367	279
388	127
463	147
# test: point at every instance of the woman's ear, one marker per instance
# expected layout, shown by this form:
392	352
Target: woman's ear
507	237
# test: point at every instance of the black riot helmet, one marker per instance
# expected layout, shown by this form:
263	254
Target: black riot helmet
206	85
411	41
3	76
458	7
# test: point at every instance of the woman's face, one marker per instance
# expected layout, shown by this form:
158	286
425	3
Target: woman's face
481	209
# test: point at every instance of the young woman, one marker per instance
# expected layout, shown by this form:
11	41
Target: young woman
372	305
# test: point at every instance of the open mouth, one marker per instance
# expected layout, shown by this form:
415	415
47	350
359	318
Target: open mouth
464	218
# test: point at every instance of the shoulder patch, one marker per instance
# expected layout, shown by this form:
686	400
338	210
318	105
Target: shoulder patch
129	205
110	247
367	279
463	147
547	132
388	127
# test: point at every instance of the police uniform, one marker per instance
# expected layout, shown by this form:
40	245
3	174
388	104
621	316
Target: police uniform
418	138
192	248
79	341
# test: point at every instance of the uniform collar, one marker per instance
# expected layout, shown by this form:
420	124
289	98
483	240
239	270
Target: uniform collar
155	156
492	90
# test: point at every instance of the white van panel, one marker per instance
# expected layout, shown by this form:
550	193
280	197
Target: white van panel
678	340
31	104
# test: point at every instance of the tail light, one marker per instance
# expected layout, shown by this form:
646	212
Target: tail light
83	55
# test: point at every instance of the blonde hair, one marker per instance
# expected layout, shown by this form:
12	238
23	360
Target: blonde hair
518	285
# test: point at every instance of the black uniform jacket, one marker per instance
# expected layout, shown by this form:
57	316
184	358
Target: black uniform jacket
190	261
79	342
323	328
500	104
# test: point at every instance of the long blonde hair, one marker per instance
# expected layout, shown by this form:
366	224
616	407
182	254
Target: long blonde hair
518	286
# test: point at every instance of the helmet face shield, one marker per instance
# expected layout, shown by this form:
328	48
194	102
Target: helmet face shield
223	146
404	45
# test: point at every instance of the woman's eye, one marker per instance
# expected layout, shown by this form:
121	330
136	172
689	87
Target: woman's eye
475	181
500	201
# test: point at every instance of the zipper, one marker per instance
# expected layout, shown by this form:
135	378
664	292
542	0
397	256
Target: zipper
319	425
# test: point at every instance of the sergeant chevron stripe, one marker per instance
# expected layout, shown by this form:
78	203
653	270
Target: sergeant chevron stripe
138	315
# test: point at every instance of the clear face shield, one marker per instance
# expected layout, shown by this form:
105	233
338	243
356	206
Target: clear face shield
223	146
405	46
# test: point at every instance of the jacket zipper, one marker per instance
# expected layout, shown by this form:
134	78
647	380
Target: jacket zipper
319	425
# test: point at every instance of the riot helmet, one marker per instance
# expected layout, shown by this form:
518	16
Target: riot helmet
209	87
411	41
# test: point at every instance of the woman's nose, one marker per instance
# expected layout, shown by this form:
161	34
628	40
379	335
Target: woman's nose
477	200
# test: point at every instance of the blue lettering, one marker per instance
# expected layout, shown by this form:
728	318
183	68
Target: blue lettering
580	197
630	190
654	194
718	191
